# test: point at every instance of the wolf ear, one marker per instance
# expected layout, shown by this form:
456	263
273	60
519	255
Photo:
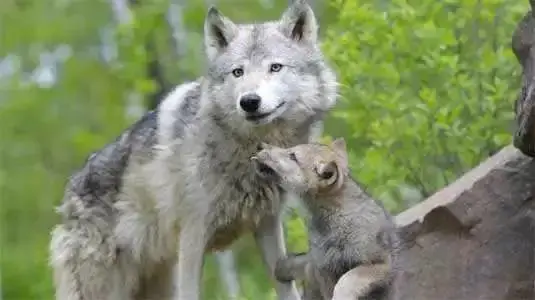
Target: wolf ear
299	23
218	32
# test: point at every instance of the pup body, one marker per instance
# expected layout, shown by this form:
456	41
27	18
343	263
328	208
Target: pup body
141	213
351	235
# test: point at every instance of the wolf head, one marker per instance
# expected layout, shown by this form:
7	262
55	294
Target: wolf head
268	72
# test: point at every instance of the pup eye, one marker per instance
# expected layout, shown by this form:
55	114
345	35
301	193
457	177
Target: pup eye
326	171
293	157
275	68
238	72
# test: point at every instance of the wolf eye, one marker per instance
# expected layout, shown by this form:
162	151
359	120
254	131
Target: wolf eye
238	72
293	157
275	67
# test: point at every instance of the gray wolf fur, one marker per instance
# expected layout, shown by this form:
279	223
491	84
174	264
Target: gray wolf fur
352	237
179	182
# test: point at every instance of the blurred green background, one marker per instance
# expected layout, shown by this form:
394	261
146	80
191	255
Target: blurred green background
427	91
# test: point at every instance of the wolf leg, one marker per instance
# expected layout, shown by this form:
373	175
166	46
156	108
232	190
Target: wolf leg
86	267
227	271
269	238
160	284
191	249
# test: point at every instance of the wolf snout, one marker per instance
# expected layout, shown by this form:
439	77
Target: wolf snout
250	102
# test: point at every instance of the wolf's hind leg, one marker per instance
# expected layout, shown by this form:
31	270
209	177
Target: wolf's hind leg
87	267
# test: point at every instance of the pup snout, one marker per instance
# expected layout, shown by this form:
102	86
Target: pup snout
262	165
250	102
260	156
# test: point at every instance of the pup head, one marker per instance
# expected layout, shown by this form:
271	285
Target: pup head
259	73
305	168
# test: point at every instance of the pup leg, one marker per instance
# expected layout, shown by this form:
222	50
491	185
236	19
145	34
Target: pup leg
360	281
313	284
297	266
291	267
269	238
191	250
85	267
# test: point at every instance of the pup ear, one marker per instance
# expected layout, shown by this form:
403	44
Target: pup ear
218	32
327	171
299	23
339	146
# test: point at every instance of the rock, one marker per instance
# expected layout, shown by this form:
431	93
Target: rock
474	239
522	45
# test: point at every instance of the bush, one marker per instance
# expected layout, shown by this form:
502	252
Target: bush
427	89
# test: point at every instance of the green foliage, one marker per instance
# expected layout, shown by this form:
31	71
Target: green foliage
296	236
427	89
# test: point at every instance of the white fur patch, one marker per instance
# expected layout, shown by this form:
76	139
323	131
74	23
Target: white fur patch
268	92
272	101
168	107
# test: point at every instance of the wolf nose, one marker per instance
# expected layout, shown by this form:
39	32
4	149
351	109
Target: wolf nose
250	102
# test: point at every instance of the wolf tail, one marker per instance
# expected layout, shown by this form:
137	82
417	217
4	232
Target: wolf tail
360	281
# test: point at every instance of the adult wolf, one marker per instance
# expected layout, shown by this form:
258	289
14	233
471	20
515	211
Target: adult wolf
179	182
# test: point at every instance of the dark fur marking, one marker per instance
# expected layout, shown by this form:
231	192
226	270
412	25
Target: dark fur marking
187	111
102	173
297	31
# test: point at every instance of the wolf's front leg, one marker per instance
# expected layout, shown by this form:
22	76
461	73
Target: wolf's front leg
269	237
191	250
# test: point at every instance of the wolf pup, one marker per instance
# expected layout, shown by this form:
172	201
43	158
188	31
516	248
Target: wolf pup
179	182
349	232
